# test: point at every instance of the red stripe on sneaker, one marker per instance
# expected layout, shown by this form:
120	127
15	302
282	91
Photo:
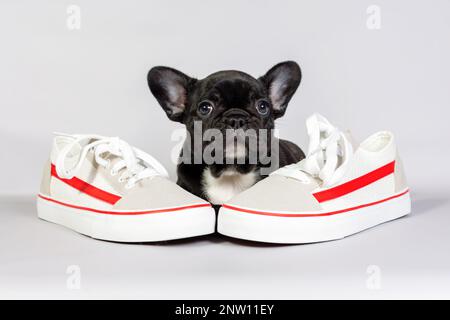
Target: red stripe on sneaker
125	213
309	215
87	188
355	184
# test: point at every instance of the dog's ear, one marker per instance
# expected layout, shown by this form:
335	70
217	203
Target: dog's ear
170	87
281	81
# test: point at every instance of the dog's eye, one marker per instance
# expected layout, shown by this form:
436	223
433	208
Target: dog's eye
262	107
204	108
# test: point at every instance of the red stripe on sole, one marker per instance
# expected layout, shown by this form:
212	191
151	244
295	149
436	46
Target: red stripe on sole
87	188
308	215
125	213
355	184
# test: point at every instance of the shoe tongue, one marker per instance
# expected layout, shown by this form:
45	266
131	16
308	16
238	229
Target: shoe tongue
73	154
351	139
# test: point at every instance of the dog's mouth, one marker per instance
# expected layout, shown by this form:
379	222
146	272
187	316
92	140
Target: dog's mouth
236	150
238	143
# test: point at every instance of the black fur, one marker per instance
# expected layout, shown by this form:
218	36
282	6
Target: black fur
233	96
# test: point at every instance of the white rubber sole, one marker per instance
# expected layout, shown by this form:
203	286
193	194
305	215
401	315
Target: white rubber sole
276	228
162	226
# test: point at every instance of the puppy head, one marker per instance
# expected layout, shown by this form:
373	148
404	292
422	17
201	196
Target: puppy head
225	100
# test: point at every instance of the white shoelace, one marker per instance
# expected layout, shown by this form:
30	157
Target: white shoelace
138	164
328	154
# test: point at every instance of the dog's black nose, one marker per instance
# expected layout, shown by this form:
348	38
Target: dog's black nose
235	122
235	118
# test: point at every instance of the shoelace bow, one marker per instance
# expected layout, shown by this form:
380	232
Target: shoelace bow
328	153
138	164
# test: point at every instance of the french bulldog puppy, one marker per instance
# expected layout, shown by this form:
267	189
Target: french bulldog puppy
228	102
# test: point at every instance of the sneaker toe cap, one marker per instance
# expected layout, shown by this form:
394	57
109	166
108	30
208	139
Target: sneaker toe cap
157	193
278	194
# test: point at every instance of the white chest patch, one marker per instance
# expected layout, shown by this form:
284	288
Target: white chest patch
230	183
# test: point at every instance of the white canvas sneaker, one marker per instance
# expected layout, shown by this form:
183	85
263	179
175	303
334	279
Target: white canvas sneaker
334	192
106	189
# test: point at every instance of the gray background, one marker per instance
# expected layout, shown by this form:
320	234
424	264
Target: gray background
93	80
